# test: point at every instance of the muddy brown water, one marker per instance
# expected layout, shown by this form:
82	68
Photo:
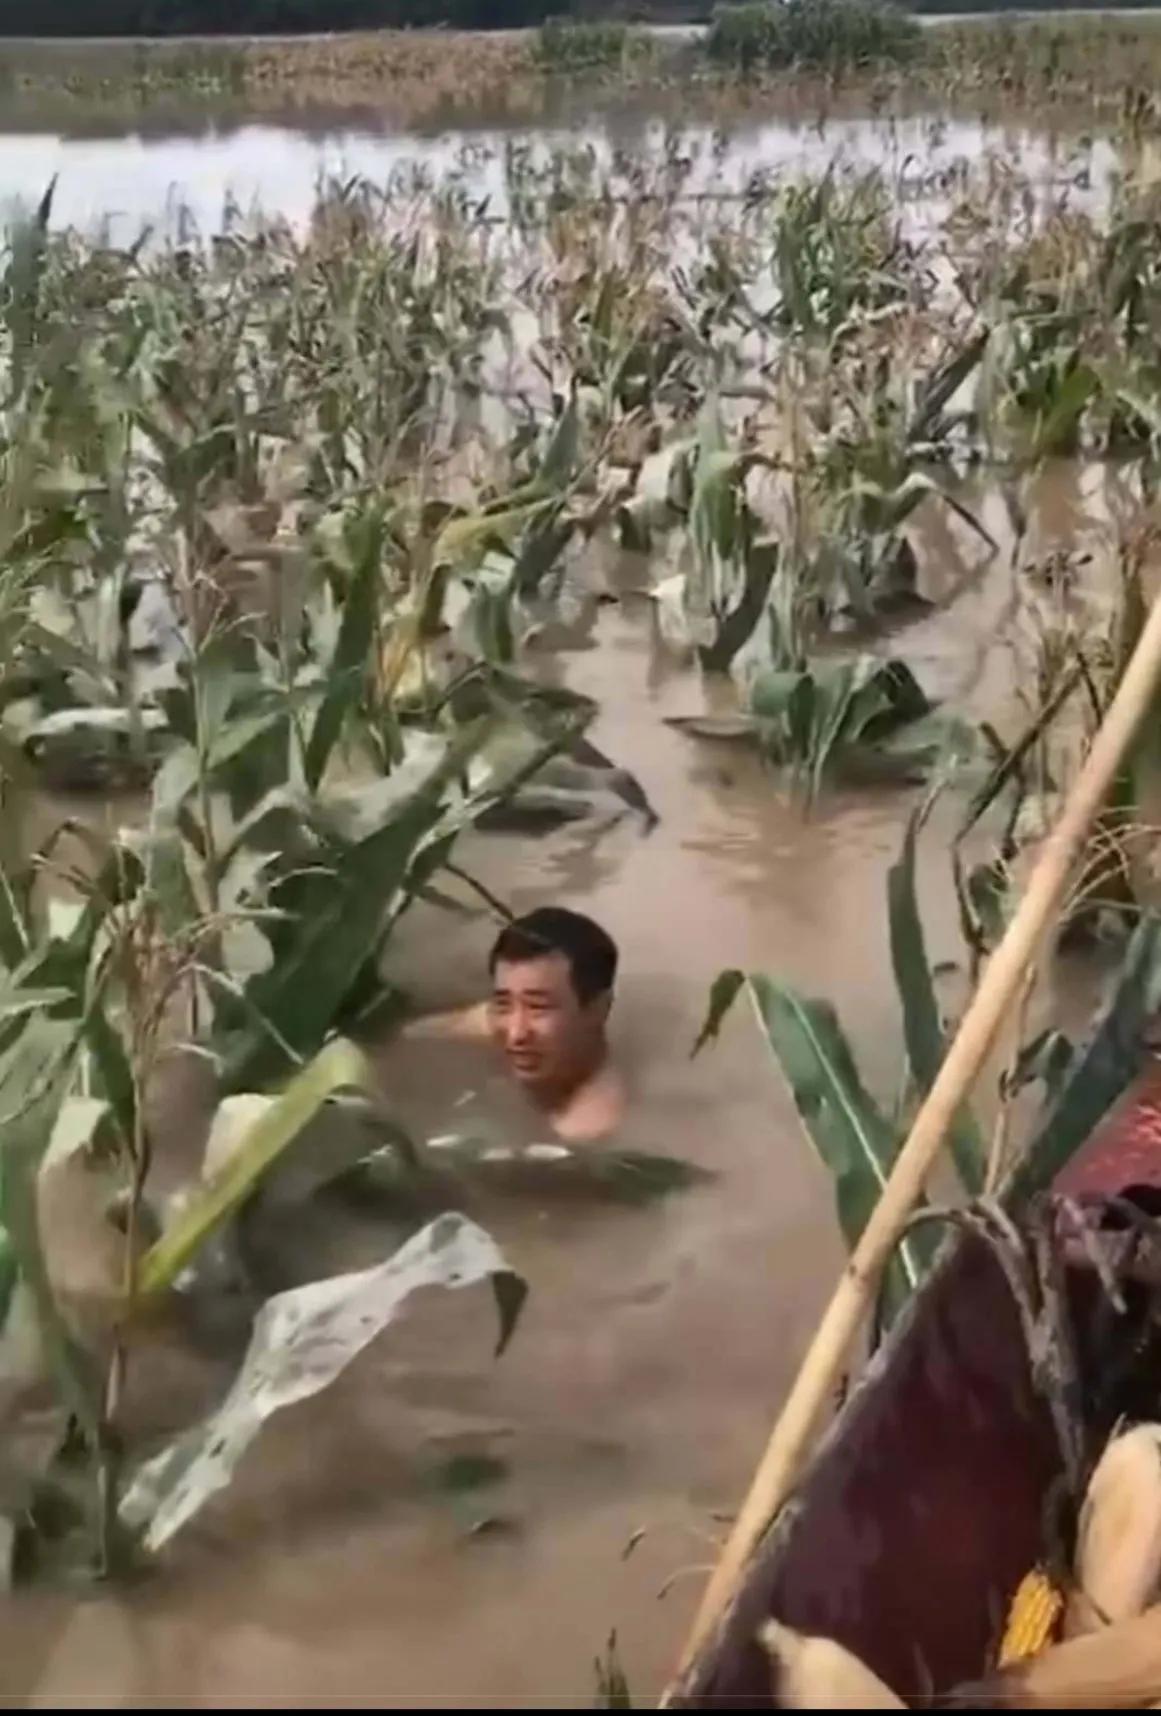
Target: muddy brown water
655	1344
343	1566
347	1565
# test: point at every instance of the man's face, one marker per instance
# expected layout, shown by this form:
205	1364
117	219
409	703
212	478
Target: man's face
549	1037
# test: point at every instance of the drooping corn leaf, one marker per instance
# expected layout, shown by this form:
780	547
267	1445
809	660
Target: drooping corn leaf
339	1066
854	1140
34	1077
733	565
331	922
302	1341
352	650
560	455
943	383
922	1030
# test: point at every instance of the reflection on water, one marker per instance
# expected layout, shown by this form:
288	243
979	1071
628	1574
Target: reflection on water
126	182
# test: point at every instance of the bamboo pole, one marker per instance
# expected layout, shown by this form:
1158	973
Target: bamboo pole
1000	984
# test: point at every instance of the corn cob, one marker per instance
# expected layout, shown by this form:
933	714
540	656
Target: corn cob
1117	1668
1032	1619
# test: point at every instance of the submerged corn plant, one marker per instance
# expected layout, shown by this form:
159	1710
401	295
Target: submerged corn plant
219	584
857	1139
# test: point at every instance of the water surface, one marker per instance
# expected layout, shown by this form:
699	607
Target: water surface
638	1393
193	178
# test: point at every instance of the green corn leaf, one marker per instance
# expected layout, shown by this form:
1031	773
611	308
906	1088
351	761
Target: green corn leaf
352	650
1101	1071
34	1078
339	1066
922	1029
854	1140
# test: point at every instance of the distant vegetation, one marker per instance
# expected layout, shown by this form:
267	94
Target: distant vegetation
578	45
831	33
261	17
939	7
223	17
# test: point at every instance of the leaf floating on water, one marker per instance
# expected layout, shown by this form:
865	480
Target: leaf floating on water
635	1538
627	1176
302	1341
463	1472
715	726
493	1525
621	1176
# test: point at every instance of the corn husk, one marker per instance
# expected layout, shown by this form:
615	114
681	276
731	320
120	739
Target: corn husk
1117	1668
1118	1556
818	1674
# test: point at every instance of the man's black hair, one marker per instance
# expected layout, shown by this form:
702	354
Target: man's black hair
591	953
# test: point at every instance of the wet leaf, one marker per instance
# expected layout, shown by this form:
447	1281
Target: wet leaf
1055	429
1101	1070
34	1076
612	1684
939	388
333	921
818	718
346	669
463	1473
619	1176
560	456
922	1029
728	727
9	1268
302	1341
854	1140
1047	1059
340	1066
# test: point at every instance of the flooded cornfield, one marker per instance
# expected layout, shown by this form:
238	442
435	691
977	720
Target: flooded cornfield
689	523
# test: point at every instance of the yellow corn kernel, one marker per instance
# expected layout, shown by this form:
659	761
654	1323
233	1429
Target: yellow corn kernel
1032	1618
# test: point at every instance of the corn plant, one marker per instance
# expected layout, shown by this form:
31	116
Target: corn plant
857	1139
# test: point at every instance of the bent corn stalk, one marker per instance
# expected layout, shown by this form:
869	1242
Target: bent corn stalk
999	986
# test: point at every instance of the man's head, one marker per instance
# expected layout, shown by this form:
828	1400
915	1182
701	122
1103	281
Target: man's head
552	987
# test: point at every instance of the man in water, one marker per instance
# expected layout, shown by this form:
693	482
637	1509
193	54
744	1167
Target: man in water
552	977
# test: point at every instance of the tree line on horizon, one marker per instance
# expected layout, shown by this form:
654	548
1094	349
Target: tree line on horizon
258	17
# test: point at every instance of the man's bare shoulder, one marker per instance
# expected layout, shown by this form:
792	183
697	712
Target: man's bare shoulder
596	1110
